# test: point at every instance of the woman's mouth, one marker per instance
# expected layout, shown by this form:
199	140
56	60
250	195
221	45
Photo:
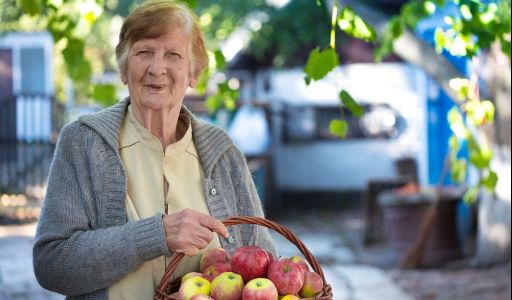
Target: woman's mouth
155	87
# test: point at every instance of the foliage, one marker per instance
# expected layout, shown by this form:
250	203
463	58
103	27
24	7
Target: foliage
70	23
478	25
289	34
277	34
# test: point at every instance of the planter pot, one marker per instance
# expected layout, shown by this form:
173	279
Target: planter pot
403	215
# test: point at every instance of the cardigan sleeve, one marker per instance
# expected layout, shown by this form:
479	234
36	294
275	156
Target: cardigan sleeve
249	201
71	255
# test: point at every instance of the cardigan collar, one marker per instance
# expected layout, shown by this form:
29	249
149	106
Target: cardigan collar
211	142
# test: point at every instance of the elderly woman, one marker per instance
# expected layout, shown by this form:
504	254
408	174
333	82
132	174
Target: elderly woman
134	183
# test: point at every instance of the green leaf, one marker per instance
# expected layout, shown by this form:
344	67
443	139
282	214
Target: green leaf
78	67
461	86
191	3
475	112
60	27
213	103
505	46
349	102
430	7
456	122
490	181
104	94
320	63
202	81
355	26
440	40
489	111
465	11
454	145
32	7
318	2
220	60
338	127
481	158
458	170
470	195
472	143
393	30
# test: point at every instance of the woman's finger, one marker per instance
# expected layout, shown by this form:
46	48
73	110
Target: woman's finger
214	225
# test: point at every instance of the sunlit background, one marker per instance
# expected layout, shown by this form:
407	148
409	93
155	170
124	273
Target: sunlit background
57	63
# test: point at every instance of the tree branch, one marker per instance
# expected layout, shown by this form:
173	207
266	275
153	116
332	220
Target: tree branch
412	49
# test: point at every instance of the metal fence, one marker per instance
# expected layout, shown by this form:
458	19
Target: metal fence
29	126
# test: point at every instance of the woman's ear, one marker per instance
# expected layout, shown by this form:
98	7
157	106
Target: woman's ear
123	77
193	82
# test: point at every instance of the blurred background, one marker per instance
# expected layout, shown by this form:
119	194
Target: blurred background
353	176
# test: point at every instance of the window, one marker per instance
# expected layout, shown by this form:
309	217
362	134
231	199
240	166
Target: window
311	123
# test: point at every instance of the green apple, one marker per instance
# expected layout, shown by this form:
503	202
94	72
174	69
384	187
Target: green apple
192	274
194	286
227	286
313	284
290	297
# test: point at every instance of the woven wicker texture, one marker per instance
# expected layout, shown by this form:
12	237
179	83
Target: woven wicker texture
163	291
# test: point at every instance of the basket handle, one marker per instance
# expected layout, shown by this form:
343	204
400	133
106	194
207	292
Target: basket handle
177	257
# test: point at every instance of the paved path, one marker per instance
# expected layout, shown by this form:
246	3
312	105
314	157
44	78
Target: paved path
17	280
349	281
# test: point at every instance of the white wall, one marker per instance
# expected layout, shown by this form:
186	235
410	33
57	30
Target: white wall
348	165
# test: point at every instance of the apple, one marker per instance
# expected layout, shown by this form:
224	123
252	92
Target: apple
190	275
301	261
313	284
270	257
212	256
290	297
260	289
216	269
227	286
201	297
287	276
194	286
250	262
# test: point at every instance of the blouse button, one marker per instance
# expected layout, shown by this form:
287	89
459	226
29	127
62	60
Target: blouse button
213	192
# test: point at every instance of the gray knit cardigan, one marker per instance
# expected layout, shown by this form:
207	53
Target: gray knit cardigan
84	243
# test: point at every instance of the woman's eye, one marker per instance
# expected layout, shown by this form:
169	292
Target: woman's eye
174	54
144	53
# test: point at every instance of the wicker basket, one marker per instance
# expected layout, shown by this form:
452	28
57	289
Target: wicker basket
167	290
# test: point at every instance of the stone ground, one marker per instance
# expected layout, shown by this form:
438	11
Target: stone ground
354	272
373	269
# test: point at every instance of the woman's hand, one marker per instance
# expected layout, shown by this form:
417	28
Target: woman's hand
189	231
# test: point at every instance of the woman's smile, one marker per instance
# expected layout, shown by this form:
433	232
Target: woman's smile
155	88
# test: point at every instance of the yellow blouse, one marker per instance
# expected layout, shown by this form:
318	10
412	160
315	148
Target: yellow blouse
147	166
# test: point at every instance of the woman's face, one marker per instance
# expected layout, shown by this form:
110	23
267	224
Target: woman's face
158	70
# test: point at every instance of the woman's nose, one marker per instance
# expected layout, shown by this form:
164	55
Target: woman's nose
157	66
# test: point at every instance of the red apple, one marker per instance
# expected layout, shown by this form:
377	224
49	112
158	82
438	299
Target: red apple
212	256
216	269
227	286
260	289
271	258
250	262
313	284
301	261
287	276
